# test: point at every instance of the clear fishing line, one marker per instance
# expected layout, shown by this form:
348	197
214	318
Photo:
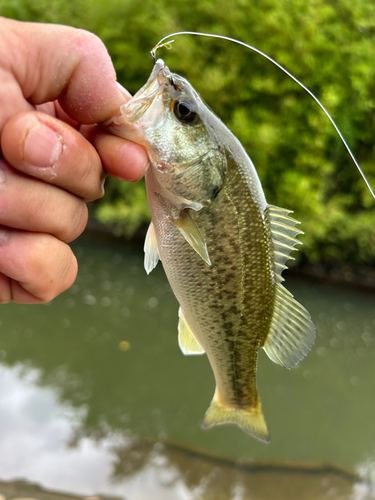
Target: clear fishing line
167	44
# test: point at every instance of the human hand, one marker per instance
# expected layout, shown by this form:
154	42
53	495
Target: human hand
53	79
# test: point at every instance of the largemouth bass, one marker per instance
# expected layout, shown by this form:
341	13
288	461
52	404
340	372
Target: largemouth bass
222	247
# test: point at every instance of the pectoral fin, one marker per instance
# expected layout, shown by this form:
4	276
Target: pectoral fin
192	235
189	345
151	249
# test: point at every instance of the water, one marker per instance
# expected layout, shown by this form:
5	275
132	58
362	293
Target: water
85	375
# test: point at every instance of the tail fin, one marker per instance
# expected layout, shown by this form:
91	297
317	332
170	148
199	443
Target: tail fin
251	419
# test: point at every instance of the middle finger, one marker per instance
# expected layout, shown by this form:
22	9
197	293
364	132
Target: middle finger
33	205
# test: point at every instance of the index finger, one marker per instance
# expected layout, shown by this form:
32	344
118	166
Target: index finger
63	63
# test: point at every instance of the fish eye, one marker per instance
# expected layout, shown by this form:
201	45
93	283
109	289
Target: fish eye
183	111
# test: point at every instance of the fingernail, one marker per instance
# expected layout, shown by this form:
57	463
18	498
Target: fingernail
43	146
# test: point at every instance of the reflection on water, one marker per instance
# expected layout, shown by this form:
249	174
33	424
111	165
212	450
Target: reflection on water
38	442
36	430
101	365
217	478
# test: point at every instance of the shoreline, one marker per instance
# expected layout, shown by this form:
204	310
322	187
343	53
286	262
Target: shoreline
361	278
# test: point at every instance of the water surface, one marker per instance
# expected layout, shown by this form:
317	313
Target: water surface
82	376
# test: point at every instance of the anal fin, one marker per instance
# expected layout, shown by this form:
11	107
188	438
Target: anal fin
189	345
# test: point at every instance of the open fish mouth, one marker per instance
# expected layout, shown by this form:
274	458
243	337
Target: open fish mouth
134	109
132	115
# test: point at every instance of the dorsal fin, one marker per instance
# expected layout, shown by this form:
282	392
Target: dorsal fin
292	332
186	339
283	235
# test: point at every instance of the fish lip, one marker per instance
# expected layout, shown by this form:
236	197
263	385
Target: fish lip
134	109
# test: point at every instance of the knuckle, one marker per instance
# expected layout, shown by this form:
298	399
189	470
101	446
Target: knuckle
38	204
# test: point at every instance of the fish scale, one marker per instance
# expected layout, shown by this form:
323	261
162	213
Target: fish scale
211	295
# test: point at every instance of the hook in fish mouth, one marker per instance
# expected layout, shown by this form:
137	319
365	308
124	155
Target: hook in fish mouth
167	45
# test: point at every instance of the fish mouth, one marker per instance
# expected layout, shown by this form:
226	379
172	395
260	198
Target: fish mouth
132	119
134	109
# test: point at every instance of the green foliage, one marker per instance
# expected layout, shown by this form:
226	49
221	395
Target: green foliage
328	45
124	208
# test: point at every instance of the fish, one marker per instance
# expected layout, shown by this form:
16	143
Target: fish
222	246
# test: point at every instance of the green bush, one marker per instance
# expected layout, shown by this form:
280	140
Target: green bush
302	163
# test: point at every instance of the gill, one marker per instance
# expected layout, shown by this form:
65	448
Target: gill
165	42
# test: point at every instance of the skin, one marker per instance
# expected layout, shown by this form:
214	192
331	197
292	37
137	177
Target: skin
57	83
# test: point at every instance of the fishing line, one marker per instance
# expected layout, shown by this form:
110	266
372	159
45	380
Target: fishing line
223	37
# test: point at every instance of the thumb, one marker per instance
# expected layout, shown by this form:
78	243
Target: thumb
43	62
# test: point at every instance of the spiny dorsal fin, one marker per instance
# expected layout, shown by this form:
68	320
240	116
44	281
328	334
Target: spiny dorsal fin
292	333
190	231
151	249
283	235
186	339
